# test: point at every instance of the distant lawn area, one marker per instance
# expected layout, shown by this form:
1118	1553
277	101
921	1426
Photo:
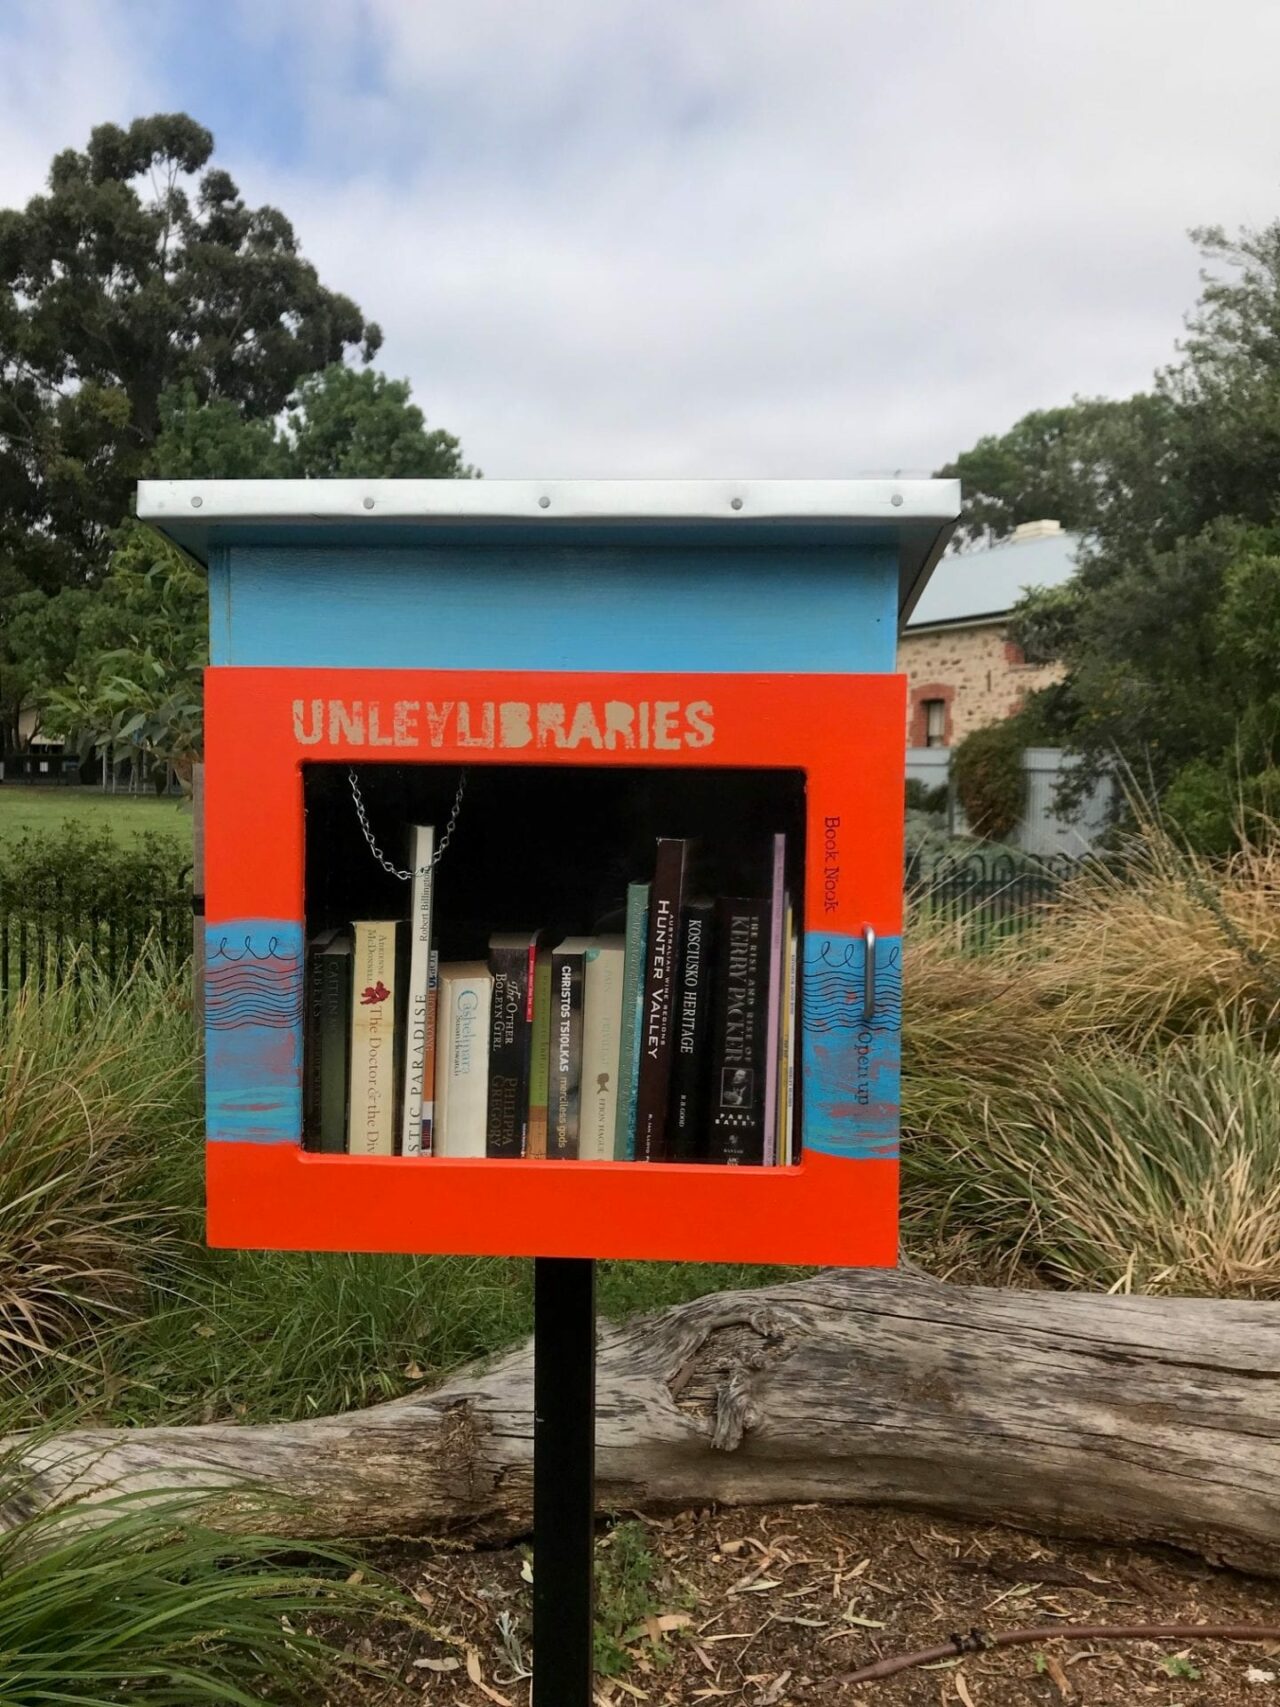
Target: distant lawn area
45	809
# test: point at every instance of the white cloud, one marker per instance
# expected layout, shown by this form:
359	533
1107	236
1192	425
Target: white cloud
764	236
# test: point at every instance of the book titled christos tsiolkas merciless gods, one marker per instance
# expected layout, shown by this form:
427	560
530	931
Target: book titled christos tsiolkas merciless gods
556	977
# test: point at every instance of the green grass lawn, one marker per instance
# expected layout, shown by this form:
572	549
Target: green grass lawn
45	809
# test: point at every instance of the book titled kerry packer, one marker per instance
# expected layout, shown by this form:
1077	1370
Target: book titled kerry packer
511	961
653	1087
740	1043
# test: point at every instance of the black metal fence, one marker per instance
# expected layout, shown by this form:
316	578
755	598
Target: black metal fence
48	946
986	893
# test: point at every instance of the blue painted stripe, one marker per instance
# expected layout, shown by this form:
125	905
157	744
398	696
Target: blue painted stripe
253	1031
852	1076
817	610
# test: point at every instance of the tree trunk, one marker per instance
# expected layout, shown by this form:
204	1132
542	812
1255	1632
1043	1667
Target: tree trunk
1118	1418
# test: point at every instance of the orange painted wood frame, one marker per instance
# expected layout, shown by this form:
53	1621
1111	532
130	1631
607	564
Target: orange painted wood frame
838	1204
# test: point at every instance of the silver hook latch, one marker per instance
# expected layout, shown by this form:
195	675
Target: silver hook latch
868	974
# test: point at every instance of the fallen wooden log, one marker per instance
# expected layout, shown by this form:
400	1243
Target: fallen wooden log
1116	1418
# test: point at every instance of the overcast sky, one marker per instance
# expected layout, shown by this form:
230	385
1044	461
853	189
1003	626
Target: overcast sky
709	237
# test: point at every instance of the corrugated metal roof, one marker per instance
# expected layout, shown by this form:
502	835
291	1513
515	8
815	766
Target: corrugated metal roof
972	584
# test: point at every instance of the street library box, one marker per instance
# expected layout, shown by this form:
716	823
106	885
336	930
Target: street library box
558	678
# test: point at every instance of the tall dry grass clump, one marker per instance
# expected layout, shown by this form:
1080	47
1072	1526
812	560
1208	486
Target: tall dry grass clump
96	1083
1096	1101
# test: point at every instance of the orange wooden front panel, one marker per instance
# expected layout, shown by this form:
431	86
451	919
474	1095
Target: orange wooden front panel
837	1205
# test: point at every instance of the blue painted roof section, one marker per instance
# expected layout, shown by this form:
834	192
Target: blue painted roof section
970	584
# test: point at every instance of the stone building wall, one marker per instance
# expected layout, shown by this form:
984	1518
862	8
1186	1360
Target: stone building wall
978	674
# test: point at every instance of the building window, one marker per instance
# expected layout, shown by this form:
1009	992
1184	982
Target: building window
935	722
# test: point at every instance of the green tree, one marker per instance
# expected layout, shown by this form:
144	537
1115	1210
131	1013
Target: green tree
1170	631
140	270
134	680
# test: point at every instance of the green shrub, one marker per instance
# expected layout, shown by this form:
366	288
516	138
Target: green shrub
1213	807
95	1081
77	871
143	1605
990	782
1120	1172
921	798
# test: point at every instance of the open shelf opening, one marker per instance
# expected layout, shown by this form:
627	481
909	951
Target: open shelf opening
557	850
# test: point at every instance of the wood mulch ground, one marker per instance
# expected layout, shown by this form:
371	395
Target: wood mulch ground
774	1607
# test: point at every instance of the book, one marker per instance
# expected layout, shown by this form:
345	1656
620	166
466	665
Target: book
773	1006
564	1069
603	966
372	1085
512	955
790	1052
637	936
464	1002
539	1062
422	847
327	1042
429	1058
666	898
689	1068
740	1043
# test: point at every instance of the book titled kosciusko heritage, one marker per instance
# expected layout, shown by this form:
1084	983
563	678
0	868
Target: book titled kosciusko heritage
512	957
692	998
666	897
372	1087
741	1045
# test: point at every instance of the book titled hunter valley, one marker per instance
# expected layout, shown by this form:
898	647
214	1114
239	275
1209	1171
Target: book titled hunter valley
740	1043
512	957
666	898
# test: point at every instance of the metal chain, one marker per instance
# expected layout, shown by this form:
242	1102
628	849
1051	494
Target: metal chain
377	852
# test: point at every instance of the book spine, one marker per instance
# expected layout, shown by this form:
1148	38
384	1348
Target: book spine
565	1066
689	1069
539	1056
510	1031
601	1029
311	1054
462	1065
789	1078
429	1056
421	854
739	1040
373	1026
637	936
334	972
773	1008
654	1088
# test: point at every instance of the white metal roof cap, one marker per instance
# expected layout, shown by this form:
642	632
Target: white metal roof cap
563	500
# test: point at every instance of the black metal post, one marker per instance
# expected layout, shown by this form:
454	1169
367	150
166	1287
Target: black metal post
564	1449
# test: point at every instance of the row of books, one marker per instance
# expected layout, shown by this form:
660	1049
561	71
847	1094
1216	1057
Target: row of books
673	1039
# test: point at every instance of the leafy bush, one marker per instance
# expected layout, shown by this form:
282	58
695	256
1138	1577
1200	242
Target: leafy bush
921	798
1214	808
78	872
990	783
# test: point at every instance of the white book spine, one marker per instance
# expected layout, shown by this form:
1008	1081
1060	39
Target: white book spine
371	1117
416	1091
793	1049
462	1061
601	1036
